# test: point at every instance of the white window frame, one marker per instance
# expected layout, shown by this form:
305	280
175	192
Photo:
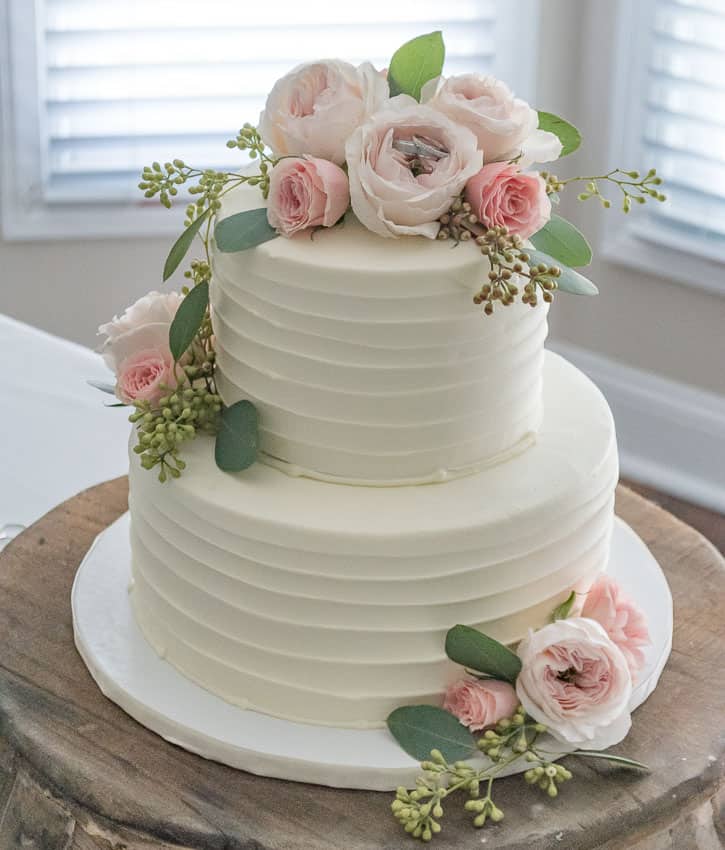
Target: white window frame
638	241
27	216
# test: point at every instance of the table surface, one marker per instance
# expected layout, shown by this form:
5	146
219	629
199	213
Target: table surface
60	437
76	773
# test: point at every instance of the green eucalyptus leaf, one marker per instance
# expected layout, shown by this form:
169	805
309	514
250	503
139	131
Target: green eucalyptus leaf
415	63
567	133
182	245
237	437
620	760
188	319
243	230
570	281
476	651
561	612
561	240
422	728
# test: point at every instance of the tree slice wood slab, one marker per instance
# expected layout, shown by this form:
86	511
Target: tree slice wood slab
76	773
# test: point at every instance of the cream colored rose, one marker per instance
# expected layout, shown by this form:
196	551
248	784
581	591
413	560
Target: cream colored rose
137	347
505	126
314	109
393	190
576	680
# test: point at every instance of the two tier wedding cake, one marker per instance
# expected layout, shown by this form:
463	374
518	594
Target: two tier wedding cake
391	477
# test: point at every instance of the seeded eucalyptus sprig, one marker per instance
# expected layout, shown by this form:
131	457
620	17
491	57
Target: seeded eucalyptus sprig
508	260
634	187
420	810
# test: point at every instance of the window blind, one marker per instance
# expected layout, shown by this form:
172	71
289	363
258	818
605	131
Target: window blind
684	130
123	84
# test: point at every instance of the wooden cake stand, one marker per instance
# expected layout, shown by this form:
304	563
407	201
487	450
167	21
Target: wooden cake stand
76	773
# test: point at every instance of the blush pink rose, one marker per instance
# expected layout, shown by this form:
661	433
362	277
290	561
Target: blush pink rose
503	196
396	193
621	619
506	126
136	347
306	192
314	109
480	704
576	680
146	376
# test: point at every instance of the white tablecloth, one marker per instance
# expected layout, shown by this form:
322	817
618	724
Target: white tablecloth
56	436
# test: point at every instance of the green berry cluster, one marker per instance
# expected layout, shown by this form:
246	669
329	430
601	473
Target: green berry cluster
508	260
547	775
513	738
179	417
165	180
248	139
506	256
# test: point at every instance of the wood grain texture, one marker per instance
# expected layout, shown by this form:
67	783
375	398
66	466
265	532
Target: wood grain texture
76	773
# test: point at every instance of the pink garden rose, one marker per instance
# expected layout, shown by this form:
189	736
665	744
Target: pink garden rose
314	109
503	196
137	347
621	619
395	192
576	681
146	376
480	704
306	192
506	126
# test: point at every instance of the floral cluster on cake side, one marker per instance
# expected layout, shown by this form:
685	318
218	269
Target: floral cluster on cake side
568	683
409	153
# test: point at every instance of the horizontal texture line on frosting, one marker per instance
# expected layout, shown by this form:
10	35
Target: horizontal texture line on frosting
291	634
477	585
523	546
353	616
237	341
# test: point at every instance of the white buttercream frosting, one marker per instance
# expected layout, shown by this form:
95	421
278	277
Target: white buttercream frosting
367	358
329	603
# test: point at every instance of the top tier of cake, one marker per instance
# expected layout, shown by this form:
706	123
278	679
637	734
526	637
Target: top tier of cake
367	358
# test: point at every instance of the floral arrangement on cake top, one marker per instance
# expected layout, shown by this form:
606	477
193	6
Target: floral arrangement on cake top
406	151
567	685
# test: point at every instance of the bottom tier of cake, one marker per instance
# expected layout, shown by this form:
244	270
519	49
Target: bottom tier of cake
329	604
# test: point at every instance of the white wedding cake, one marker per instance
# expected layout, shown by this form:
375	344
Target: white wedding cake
420	467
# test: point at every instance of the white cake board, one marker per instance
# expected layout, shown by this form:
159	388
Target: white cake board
129	672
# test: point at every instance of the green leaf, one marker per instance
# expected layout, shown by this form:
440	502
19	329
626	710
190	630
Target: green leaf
561	240
188	319
561	612
569	281
182	245
422	728
117	404
621	760
415	63
473	649
568	134
243	230
237	438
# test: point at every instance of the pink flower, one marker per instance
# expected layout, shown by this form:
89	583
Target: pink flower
505	126
137	347
396	191
503	196
306	192
576	681
479	704
314	109
621	619
146	376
